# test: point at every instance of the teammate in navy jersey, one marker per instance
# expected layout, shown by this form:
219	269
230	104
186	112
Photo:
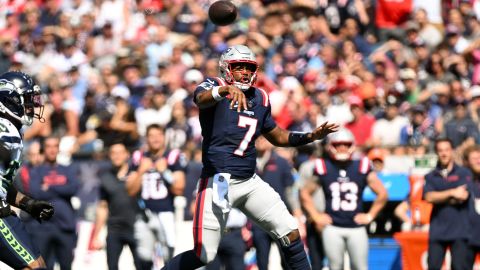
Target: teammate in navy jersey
446	187
343	180
20	104
158	175
233	113
472	159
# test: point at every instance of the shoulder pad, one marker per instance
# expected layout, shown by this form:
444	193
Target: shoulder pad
364	165
136	157
265	99
210	82
320	167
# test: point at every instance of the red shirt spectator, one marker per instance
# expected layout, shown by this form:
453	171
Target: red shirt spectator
362	123
392	13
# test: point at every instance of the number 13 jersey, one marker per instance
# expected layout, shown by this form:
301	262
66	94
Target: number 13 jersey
229	136
343	186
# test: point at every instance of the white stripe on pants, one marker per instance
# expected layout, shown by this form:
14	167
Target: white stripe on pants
337	240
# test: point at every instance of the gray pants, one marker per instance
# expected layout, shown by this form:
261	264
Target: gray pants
160	228
255	198
337	240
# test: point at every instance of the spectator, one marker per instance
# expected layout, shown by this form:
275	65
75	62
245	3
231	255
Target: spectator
56	184
472	160
461	130
386	131
362	123
155	109
178	131
34	158
446	187
116	209
420	131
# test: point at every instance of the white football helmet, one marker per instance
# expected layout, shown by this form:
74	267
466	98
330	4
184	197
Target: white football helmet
343	136
234	55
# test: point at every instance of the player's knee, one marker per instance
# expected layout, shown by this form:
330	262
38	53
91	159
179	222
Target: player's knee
208	255
289	238
293	235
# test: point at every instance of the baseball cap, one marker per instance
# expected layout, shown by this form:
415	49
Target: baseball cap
412	26
460	102
193	75
420	108
475	91
355	100
452	30
120	91
392	100
152	81
367	90
407	74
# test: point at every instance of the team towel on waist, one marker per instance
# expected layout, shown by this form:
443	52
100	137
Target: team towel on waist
220	191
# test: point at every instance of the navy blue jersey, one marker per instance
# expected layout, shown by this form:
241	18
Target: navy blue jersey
474	212
155	190
228	136
447	221
277	172
343	186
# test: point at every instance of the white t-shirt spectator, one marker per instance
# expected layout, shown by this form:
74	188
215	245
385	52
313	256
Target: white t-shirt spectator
388	131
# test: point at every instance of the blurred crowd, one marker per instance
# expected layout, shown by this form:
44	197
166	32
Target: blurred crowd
397	74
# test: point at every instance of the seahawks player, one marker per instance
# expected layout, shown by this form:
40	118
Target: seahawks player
19	100
233	113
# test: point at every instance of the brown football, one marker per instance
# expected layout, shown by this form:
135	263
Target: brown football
222	12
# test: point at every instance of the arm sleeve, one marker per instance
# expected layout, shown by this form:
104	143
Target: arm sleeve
10	161
429	185
103	195
207	84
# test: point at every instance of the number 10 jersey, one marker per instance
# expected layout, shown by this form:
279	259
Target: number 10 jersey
229	136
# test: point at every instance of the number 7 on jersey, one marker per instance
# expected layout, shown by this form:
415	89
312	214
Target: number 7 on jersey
251	124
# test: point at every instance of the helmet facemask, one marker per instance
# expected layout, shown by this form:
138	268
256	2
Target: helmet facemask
341	145
239	67
33	104
341	151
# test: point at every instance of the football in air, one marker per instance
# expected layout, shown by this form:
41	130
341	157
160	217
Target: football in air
222	12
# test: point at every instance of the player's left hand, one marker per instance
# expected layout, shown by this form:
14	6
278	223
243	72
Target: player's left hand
362	218
323	130
40	210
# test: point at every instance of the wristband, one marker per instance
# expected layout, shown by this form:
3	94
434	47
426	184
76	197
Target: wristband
215	94
167	176
26	204
298	138
370	218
